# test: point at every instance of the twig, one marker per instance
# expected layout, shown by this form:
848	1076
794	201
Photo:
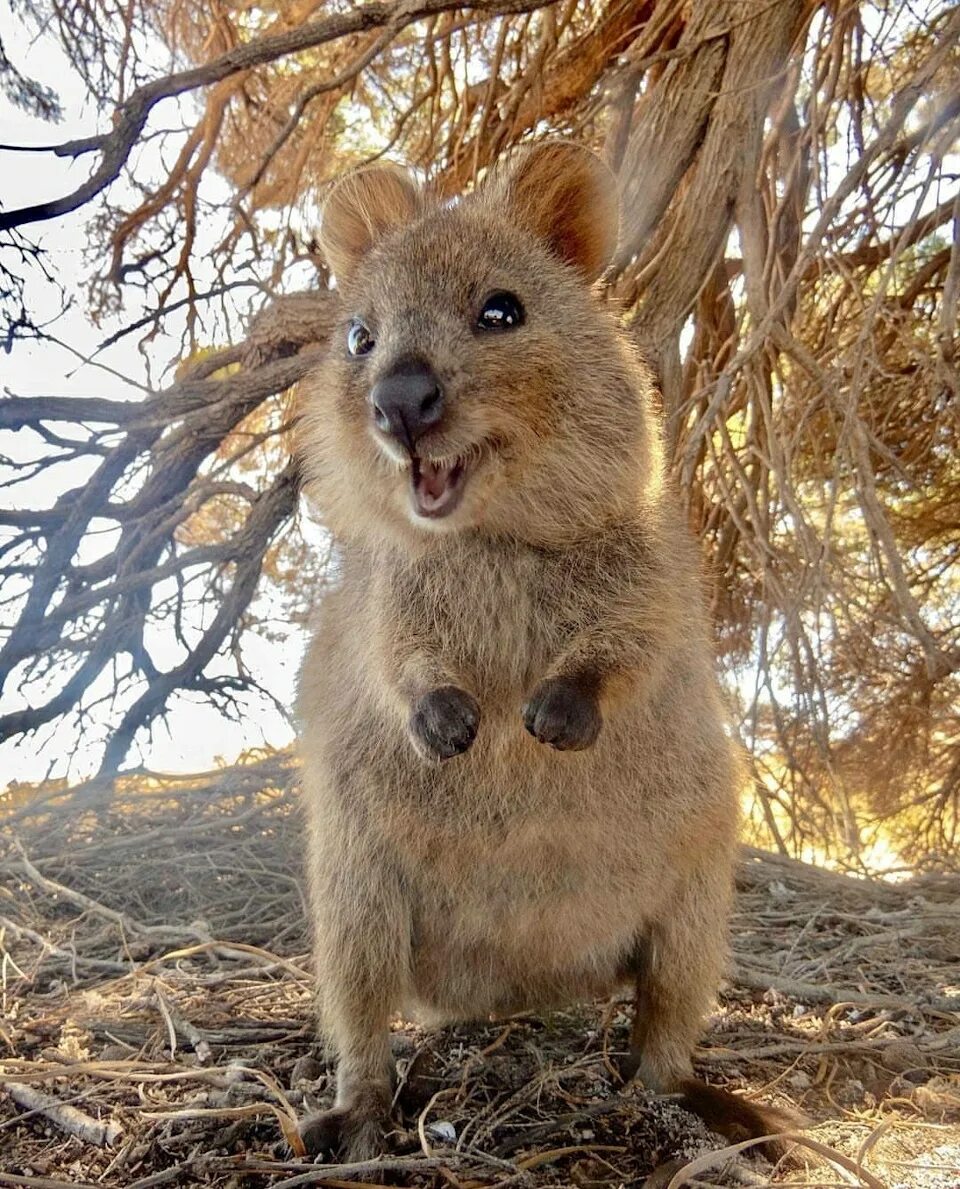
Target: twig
64	1116
825	993
179	1025
712	1159
88	904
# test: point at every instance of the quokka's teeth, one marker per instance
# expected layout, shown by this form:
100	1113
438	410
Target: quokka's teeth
435	478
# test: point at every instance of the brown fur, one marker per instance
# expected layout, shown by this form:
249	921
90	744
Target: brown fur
562	593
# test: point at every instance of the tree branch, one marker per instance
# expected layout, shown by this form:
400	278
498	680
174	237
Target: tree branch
132	115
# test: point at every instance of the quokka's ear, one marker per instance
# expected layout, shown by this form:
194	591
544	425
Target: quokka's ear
566	196
361	208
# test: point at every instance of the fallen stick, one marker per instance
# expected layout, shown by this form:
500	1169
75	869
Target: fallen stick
761	980
64	1116
127	923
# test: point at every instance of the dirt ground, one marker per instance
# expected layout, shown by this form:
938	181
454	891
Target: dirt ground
156	1022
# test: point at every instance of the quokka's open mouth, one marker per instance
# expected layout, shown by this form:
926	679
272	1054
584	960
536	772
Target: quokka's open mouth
437	486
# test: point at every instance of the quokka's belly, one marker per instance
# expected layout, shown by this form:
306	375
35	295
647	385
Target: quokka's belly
531	914
458	974
531	873
454	983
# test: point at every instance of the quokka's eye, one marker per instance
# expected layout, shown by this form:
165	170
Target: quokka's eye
359	339
500	311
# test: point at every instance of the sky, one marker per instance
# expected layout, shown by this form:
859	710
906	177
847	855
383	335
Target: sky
195	735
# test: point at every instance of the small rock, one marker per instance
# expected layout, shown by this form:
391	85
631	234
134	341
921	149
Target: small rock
420	1079
114	1053
305	1069
442	1131
851	1092
402	1045
901	1055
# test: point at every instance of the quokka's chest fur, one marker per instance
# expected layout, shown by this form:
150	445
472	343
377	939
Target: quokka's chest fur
497	611
494	616
490	614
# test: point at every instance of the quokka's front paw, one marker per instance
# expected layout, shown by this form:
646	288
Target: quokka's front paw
562	713
444	723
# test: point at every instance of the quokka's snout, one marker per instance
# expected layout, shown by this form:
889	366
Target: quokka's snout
518	784
407	401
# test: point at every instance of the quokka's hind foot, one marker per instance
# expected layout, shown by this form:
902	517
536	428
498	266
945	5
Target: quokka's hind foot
353	1132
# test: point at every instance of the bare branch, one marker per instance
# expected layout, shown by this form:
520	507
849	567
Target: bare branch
131	118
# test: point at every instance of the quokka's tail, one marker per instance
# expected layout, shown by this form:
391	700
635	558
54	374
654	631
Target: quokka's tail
737	1118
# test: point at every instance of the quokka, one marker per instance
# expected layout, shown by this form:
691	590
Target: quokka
518	785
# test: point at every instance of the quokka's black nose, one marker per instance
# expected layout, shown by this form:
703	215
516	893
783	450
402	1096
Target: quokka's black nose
407	401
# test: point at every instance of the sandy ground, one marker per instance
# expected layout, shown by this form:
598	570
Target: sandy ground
156	1022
